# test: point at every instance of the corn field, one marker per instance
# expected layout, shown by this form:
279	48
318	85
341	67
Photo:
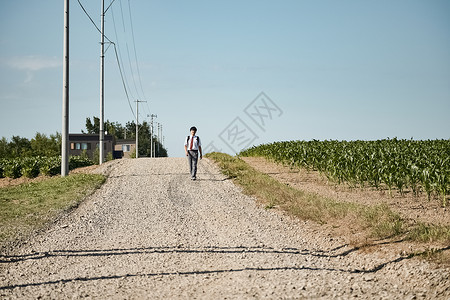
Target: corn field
401	165
33	166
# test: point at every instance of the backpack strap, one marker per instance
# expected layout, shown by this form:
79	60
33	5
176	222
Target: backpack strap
189	137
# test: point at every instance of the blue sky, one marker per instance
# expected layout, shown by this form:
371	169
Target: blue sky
331	69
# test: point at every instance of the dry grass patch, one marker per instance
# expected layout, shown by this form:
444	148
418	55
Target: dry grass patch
378	221
367	226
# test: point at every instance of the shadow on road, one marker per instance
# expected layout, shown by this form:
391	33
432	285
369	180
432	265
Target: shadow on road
5	259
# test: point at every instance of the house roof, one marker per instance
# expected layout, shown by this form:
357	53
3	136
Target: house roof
127	141
81	137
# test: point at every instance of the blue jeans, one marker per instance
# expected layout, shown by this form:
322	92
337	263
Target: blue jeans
193	159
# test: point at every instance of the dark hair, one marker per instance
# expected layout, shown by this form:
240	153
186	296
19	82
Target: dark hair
193	128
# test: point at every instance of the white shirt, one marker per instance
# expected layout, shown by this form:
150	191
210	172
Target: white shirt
195	144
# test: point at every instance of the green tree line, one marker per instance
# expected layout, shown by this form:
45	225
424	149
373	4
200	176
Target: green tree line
43	145
39	145
128	131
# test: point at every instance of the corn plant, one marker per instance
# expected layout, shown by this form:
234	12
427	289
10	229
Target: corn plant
390	163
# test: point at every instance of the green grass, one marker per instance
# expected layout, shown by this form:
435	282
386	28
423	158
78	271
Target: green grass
29	207
378	221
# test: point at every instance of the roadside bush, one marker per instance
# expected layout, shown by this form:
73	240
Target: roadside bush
133	154
96	157
50	166
78	162
84	154
109	156
13	168
30	167
2	162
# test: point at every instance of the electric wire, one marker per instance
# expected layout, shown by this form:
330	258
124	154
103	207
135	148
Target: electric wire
128	52
95	25
120	54
132	73
135	52
115	51
123	82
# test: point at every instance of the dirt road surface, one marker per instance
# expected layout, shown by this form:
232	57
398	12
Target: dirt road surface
150	232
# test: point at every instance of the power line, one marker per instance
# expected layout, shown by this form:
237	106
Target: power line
131	70
123	19
131	67
128	52
120	54
95	25
123	82
134	46
115	50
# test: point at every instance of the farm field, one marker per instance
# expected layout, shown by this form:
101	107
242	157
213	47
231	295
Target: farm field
408	206
31	167
397	166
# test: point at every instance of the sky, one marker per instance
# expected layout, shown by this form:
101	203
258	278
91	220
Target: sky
243	72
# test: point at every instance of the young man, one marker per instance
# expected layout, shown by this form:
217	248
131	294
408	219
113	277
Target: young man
192	147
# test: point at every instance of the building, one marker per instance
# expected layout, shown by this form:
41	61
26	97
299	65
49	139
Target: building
78	142
126	146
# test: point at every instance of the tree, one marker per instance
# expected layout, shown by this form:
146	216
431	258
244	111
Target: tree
144	136
46	146
112	128
4	148
115	129
92	128
160	151
19	147
40	145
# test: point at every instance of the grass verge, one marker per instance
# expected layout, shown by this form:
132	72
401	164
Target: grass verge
377	221
29	207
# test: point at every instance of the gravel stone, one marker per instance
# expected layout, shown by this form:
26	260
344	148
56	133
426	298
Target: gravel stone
150	232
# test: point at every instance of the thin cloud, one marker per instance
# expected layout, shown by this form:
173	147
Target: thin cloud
33	63
29	77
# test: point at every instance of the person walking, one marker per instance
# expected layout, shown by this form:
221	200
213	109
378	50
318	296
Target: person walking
193	147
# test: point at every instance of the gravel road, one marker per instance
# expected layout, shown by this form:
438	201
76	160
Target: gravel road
151	232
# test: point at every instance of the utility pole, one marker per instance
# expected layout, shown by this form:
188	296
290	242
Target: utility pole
102	85
137	127
159	135
65	106
161	138
151	134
